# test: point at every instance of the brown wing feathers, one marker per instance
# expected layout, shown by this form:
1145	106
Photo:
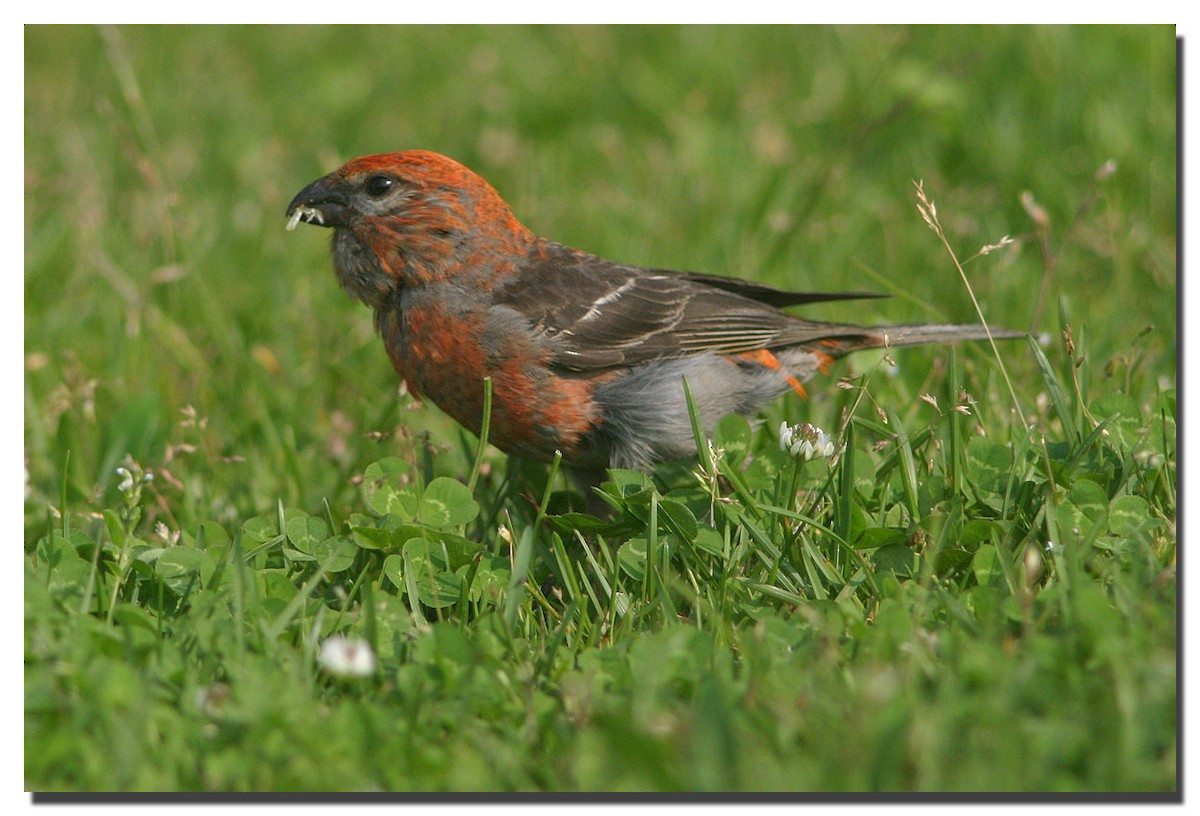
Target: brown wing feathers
606	315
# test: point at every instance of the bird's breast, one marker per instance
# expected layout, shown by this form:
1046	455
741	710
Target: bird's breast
444	351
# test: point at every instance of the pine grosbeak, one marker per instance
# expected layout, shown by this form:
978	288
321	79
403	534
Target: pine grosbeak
586	356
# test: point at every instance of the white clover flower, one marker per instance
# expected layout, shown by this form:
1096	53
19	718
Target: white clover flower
132	479
347	657
805	441
212	699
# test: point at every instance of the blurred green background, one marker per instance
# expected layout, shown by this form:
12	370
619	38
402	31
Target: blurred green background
159	278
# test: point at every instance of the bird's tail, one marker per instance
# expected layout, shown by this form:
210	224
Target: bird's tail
907	335
829	341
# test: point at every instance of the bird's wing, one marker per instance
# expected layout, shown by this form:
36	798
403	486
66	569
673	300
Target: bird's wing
779	298
598	314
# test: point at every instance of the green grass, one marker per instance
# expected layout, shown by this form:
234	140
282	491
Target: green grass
974	600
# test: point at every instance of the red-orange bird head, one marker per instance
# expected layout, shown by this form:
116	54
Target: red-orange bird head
408	219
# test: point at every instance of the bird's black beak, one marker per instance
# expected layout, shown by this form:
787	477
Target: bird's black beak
323	203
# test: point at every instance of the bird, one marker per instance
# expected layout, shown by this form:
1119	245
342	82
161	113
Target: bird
587	357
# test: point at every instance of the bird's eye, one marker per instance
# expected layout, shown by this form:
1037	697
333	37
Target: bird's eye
379	186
